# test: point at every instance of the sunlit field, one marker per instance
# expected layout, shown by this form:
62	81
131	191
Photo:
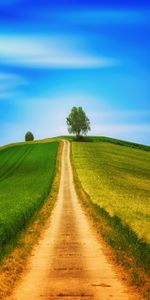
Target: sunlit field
26	176
117	178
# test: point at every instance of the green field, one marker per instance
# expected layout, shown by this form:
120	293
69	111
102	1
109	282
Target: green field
117	178
26	176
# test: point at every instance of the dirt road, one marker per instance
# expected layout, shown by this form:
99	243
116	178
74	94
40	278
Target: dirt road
69	263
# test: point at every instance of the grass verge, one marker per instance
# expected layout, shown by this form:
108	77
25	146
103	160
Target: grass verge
123	247
13	266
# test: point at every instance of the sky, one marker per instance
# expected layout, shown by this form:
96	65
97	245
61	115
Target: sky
58	54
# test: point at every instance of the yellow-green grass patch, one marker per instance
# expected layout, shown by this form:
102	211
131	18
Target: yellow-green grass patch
131	253
117	178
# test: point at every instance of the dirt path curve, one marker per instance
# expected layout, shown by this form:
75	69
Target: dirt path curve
69	263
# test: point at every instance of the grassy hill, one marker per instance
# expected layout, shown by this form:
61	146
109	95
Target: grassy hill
103	139
115	178
26	175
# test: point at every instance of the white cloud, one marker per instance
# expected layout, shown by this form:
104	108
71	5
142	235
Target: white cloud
52	52
121	116
139	133
8	94
9	84
120	128
46	117
11	80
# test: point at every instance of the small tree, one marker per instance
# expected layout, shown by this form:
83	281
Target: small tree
29	136
77	121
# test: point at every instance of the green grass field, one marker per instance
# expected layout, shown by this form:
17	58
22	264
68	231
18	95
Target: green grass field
26	176
117	178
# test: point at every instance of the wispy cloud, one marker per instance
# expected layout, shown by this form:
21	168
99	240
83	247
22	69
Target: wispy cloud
119	114
10	79
139	133
9	84
52	121
121	128
48	53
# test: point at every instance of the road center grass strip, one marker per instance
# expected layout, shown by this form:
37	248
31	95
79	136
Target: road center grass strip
26	176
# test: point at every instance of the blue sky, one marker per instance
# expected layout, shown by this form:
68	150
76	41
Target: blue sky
59	54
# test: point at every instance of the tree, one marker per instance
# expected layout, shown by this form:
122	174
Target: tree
77	122
29	136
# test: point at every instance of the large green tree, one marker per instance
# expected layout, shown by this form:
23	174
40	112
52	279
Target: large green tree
77	121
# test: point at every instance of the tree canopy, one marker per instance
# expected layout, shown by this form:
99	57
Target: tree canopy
29	136
77	121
